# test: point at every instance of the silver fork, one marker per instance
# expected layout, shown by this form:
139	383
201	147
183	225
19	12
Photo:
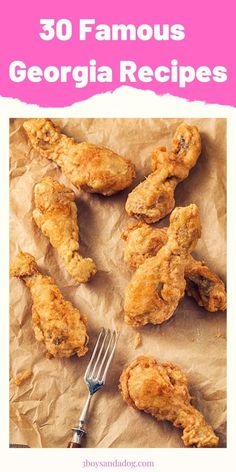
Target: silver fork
95	377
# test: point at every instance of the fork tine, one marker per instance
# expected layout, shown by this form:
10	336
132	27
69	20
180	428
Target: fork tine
111	356
105	354
107	332
94	353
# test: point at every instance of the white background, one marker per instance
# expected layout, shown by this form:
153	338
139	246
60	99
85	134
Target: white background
124	102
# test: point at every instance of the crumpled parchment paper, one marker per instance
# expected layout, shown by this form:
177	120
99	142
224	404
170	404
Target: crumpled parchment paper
46	406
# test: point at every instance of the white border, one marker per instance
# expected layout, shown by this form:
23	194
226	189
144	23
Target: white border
124	102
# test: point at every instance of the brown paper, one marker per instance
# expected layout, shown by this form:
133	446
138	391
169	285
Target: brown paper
47	405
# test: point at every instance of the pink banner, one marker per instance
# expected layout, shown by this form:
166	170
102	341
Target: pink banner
58	53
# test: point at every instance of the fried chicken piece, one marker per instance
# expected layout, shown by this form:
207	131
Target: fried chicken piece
205	286
94	168
142	242
55	321
153	198
55	214
162	391
158	284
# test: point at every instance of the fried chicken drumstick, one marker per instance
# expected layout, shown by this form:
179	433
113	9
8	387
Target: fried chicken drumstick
158	284
142	242
162	391
153	198
55	321
93	168
55	214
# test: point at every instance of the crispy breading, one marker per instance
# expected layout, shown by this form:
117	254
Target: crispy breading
55	214
137	340
153	198
23	376
93	168
56	322
142	242
205	286
162	391
158	284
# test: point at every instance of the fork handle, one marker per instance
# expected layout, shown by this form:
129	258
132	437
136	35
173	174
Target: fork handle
73	444
77	437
